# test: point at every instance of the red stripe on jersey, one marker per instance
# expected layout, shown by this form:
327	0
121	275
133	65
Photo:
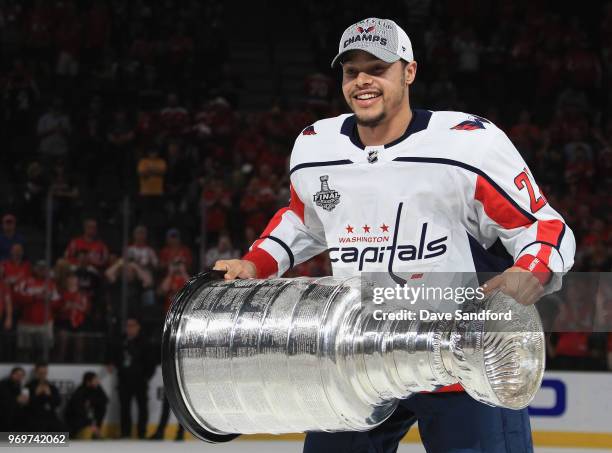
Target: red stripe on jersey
265	264
536	266
450	388
549	231
544	253
498	207
296	204
447	388
273	223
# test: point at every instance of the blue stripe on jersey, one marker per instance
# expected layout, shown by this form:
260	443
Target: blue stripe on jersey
456	163
320	164
284	246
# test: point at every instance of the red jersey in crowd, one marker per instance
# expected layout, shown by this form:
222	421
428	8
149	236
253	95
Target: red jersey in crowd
30	297
73	308
180	253
175	283
146	126
174	120
14	272
5	297
96	249
98	28
573	344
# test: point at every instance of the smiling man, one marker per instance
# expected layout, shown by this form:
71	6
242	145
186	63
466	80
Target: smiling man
403	191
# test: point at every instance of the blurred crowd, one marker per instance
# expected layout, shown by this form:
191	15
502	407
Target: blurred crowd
39	405
105	101
34	405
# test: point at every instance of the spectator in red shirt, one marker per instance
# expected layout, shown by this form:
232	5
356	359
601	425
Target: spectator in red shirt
71	313
98	26
6	324
525	131
6	304
583	66
174	118
36	297
15	269
180	47
96	248
174	280
580	169
573	326
174	249
146	127
218	200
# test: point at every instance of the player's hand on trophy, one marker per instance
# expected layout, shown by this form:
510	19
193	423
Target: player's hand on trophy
517	283
236	269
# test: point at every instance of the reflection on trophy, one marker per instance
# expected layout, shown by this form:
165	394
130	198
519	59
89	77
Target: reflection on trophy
293	355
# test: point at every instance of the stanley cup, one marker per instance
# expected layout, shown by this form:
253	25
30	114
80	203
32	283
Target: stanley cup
293	355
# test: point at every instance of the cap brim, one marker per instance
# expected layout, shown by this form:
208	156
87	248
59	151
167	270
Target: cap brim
383	54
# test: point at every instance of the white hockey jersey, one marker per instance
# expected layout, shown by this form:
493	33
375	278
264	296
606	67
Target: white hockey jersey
433	200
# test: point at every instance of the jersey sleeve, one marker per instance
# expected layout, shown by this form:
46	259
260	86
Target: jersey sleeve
510	206
292	236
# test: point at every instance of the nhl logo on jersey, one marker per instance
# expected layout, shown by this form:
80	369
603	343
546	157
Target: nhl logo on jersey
372	156
326	198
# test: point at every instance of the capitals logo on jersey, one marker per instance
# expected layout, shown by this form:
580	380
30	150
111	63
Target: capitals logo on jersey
326	198
470	125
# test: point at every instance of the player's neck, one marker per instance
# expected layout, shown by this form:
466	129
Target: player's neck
386	132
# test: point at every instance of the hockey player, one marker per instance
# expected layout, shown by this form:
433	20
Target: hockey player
400	190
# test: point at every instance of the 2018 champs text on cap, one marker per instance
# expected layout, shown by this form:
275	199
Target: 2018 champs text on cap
383	38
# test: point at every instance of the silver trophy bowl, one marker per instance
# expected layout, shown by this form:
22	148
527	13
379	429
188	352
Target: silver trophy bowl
305	354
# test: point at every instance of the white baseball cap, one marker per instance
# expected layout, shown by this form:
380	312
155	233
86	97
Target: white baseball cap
383	38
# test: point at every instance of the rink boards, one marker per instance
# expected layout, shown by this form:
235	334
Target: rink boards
571	409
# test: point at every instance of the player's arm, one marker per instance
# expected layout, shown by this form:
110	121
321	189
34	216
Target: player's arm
288	240
509	205
292	236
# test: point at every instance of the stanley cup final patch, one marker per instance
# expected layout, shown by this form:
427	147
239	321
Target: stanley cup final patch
326	198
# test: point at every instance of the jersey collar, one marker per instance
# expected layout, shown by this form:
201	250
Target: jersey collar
420	121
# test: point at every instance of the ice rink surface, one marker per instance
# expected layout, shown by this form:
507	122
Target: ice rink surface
112	446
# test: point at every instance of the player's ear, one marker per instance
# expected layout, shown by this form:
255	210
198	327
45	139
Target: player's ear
410	72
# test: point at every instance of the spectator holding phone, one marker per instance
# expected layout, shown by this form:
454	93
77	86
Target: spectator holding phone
44	401
14	398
